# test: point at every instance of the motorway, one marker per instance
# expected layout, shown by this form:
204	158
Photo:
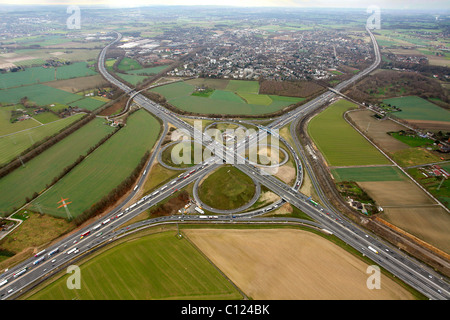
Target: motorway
75	246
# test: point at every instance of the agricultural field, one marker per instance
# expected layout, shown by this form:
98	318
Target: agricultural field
128	64
148	71
416	108
414	156
13	145
105	168
338	142
154	267
289	264
41	95
360	174
234	190
36	75
412	141
378	130
235	97
40	171
7	127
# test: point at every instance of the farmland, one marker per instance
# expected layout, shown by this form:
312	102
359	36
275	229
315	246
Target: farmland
361	174
40	171
339	143
289	264
12	145
235	97
157	266
415	108
44	95
105	168
36	75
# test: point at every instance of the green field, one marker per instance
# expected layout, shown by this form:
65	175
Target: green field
40	94
40	74
127	64
133	79
14	144
253	98
154	267
363	174
234	190
412	141
40	171
414	156
6	127
105	168
223	101
243	86
340	144
148	71
416	108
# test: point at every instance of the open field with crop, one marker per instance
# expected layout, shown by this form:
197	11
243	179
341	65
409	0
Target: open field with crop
39	94
416	108
290	264
234	190
339	143
105	168
78	84
360	174
157	266
40	171
233	97
40	74
12	145
148	71
127	64
6	127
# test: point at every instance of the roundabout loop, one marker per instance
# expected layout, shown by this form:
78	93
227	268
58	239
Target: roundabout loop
223	211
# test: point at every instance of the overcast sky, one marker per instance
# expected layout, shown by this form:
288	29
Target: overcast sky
387	4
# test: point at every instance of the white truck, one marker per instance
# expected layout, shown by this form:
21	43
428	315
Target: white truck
199	210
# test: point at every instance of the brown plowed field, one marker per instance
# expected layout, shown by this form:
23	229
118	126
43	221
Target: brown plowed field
290	264
431	224
396	193
377	130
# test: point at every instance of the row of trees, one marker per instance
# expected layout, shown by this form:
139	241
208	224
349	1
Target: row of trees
43	145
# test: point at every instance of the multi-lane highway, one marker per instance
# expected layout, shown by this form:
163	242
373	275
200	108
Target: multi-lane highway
75	245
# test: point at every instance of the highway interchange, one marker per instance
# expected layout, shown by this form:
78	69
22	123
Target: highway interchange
109	228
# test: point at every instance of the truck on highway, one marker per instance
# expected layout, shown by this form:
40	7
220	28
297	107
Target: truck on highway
21	272
372	249
39	253
72	250
96	227
53	252
199	210
3	282
203	217
39	260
